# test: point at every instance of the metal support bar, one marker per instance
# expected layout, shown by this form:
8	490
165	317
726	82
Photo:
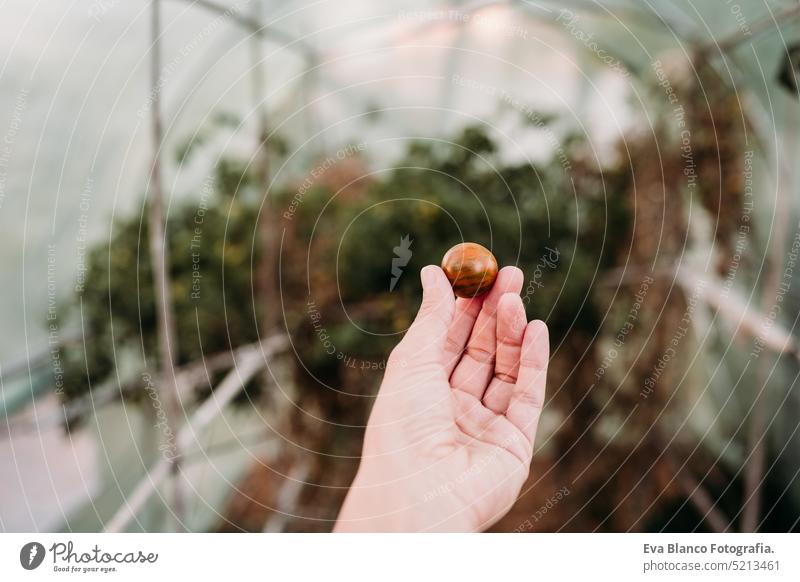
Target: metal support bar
246	366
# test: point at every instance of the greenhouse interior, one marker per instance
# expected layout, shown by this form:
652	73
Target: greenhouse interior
216	213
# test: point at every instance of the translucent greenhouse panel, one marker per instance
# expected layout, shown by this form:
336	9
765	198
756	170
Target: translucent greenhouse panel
346	73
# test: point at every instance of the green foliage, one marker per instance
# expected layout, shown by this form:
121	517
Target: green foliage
439	195
211	247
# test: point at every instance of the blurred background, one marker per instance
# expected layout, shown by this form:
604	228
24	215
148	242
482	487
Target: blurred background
214	213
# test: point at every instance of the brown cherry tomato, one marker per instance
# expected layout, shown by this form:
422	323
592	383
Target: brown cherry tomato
471	269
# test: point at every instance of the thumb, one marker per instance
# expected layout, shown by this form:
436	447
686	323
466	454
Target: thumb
425	340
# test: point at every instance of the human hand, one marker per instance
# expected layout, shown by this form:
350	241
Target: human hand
450	438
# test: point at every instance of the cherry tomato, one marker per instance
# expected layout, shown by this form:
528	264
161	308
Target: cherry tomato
471	269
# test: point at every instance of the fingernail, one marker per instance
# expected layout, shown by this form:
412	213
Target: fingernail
429	278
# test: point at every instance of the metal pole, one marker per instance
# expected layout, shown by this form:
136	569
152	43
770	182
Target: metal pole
266	268
167	337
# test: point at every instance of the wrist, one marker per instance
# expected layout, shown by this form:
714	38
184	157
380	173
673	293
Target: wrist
374	505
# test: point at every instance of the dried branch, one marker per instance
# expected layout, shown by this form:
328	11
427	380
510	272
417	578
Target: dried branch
732	308
704	503
770	22
692	488
755	464
288	495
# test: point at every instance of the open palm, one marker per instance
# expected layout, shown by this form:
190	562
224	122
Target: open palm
450	438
